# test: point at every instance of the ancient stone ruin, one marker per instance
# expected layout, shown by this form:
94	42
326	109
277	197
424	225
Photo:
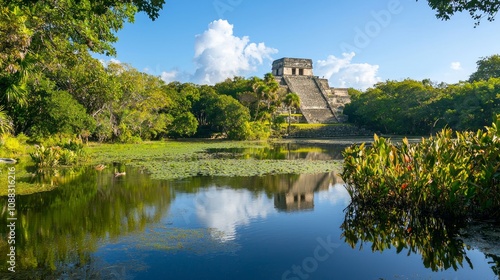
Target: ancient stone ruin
320	103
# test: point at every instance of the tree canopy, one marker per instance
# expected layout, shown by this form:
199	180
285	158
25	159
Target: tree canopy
150	7
487	67
478	9
419	107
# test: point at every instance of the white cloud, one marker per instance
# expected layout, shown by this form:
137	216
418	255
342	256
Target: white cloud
114	60
341	72
336	194
106	63
456	66
117	70
170	76
220	55
226	209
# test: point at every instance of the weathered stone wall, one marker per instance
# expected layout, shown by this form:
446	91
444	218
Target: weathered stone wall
295	71
319	102
337	99
292	66
293	63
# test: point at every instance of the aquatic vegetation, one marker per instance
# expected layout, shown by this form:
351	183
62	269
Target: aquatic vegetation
53	157
235	167
46	157
182	159
451	174
69	153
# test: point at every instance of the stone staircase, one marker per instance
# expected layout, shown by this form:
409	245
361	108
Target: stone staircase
313	103
319	115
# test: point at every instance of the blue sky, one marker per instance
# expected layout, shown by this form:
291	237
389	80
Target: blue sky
352	43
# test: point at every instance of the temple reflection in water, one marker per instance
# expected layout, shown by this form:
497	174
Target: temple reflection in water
298	194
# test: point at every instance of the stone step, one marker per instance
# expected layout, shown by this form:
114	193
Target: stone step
313	105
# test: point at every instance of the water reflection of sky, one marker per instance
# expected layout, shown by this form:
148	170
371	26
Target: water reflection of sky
226	209
336	195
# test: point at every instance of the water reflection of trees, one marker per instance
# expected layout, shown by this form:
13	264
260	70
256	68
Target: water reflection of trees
495	263
316	151
65	225
441	243
408	231
290	151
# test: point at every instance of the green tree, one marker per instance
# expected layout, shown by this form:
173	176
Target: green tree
91	83
34	32
228	116
150	7
487	67
258	88
291	101
183	125
478	9
393	107
234	87
141	109
16	38
53	111
267	92
472	105
66	115
414	107
187	111
5	122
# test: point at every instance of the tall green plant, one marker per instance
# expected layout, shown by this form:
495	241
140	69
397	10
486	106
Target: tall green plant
291	101
5	122
451	174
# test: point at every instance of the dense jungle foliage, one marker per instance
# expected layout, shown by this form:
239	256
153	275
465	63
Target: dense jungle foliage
411	107
50	83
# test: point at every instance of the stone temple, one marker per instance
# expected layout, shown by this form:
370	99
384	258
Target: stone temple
319	103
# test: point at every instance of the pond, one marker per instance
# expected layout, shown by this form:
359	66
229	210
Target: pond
99	226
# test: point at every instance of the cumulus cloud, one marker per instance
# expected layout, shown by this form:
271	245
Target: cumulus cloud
169	76
336	195
341	72
456	66
220	55
105	63
114	60
226	209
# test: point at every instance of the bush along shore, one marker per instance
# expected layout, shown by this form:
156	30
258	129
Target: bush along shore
452	175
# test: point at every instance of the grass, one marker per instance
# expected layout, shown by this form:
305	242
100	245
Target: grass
183	159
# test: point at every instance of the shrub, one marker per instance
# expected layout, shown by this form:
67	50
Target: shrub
256	131
13	146
452	174
68	153
46	157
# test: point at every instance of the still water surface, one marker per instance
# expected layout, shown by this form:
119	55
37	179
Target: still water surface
98	226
